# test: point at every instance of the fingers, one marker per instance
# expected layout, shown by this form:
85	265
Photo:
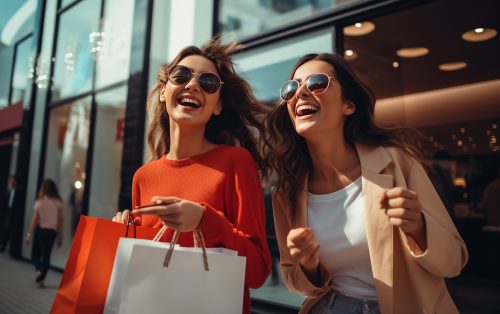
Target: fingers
160	209
121	217
164	199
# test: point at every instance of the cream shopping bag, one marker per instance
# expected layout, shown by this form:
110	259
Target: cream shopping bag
182	280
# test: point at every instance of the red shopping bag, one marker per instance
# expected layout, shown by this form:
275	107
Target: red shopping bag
84	284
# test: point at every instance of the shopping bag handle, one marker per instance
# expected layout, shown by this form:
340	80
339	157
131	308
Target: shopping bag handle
198	239
130	221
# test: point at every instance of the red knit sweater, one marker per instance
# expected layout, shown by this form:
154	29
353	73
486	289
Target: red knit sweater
225	181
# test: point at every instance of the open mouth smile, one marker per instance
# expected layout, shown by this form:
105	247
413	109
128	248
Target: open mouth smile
305	110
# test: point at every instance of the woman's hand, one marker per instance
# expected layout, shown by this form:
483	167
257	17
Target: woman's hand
27	238
404	210
304	248
121	217
176	213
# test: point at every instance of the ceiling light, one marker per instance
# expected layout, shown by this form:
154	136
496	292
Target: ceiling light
359	29
494	125
413	52
452	66
350	55
395	64
479	34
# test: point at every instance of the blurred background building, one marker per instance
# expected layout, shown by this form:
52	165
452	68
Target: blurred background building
74	77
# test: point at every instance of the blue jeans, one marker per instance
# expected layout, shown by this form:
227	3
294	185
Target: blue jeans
335	303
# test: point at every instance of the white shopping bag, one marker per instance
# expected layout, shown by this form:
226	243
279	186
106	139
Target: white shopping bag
184	286
122	257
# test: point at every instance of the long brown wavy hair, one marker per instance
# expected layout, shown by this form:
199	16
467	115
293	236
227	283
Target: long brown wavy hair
49	189
287	151
241	120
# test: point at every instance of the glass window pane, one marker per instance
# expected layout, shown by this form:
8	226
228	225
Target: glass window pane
108	146
114	58
21	74
6	59
267	69
242	18
65	162
66	2
74	60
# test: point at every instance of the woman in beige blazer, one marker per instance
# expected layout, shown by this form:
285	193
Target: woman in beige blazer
359	225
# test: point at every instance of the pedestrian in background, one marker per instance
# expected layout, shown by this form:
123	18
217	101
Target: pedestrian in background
46	224
359	225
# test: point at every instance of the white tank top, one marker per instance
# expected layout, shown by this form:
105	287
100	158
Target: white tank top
339	222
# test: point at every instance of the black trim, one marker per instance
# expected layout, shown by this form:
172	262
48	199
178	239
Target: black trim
135	113
24	152
215	18
64	101
68	6
343	15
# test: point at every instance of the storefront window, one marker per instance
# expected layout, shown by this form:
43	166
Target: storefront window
239	19
65	163
113	58
74	58
20	78
108	147
6	57
266	70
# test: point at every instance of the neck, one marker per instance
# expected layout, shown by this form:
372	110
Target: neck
187	142
335	164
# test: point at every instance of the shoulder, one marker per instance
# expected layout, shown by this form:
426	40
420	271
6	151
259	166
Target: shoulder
237	155
147	168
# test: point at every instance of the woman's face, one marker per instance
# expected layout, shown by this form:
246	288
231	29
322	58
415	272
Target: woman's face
321	114
188	104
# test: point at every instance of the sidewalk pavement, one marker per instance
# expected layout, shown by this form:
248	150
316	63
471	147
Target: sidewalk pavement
19	293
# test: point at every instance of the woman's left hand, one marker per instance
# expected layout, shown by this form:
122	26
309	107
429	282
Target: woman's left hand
404	210
176	213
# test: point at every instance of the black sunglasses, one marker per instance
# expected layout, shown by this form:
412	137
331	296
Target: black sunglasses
208	82
316	84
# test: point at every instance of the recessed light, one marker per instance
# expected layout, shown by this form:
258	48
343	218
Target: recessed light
413	52
359	29
395	64
350	55
479	34
452	66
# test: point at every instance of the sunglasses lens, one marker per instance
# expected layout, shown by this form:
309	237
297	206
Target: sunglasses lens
209	82
288	90
179	75
317	83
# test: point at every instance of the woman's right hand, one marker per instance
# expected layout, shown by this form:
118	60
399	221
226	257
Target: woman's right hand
304	248
121	217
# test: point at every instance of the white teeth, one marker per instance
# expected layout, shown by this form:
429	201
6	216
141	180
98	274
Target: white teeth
189	99
301	108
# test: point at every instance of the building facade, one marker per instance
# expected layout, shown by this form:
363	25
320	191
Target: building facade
75	76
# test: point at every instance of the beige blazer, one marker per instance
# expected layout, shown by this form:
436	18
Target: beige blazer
405	282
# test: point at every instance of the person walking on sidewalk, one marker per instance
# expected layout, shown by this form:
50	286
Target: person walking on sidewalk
47	225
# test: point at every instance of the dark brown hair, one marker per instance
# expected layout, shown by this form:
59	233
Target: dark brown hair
287	151
240	121
49	188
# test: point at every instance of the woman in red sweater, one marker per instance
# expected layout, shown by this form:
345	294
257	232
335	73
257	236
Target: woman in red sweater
200	110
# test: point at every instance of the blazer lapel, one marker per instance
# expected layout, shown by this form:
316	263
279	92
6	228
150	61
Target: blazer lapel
379	232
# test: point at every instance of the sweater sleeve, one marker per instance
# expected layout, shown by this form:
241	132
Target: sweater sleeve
241	227
446	252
